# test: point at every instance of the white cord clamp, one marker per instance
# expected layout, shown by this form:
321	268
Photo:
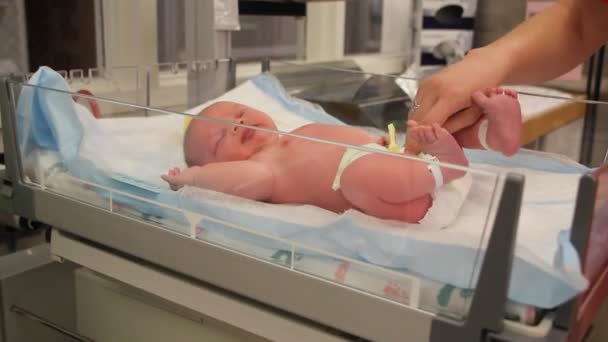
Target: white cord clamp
434	168
482	135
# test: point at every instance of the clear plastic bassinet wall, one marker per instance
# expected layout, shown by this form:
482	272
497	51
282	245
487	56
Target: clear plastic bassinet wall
306	176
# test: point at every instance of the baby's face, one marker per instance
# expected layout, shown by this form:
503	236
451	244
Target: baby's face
211	141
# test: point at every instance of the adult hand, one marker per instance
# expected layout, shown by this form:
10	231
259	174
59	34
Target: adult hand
445	97
529	54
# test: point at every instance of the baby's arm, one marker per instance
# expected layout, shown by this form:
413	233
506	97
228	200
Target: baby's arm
246	178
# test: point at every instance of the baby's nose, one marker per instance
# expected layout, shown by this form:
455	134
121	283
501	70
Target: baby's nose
235	128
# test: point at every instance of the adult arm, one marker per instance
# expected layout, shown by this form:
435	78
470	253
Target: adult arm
540	49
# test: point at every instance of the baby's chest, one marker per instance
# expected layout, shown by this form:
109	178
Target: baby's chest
305	163
294	152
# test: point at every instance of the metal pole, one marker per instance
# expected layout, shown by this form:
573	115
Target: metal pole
266	65
594	83
588	121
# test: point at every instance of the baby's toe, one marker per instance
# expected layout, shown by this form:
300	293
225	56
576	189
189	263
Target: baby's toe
511	93
411	124
439	131
413	133
418	135
429	135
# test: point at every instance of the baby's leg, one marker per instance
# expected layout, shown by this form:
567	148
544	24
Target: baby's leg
396	188
437	141
412	211
500	127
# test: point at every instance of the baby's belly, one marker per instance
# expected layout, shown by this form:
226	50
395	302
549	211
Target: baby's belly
306	169
309	181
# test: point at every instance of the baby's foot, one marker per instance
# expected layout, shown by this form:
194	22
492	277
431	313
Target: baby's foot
503	112
173	178
437	141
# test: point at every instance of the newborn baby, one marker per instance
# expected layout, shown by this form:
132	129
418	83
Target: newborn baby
261	165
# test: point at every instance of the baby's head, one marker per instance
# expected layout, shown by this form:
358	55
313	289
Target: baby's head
209	141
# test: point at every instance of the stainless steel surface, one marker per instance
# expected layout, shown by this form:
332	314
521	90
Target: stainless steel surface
344	91
13	35
191	300
47	291
340	307
24	260
544	331
204	43
13	200
32	316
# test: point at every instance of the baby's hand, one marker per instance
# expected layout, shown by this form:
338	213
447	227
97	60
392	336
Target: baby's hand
173	177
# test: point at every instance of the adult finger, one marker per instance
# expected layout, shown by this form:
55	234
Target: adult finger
429	113
462	119
480	99
421	104
440	111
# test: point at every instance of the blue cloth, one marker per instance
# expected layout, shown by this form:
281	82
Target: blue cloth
48	120
527	160
41	121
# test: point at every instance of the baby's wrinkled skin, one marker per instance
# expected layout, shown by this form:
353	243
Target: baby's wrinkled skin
264	166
